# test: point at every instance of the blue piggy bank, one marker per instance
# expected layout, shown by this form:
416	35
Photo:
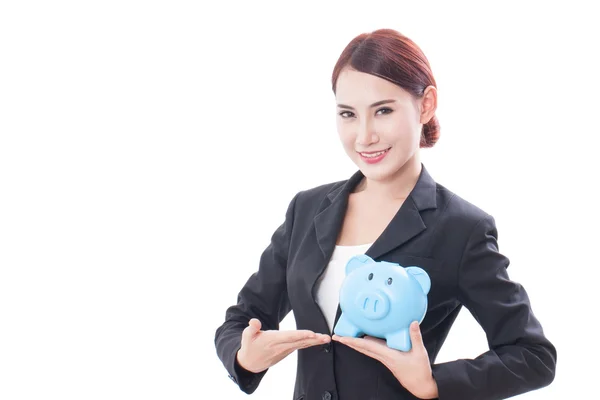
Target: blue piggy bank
381	299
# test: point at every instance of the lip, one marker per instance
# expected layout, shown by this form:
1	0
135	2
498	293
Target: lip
373	160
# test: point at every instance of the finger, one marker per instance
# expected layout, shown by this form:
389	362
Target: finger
311	342
253	327
255	323
376	340
361	349
378	348
292	337
415	336
302	344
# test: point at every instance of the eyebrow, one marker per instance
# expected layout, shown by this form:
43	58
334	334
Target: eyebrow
377	103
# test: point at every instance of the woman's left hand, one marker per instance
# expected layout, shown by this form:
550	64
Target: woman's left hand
411	368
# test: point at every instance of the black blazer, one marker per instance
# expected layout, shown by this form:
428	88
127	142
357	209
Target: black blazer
454	241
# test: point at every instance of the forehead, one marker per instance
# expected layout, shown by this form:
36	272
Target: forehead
362	89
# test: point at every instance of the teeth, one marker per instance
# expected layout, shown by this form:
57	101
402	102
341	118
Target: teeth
373	155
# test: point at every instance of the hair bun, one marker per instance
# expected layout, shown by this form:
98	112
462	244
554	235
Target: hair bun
431	132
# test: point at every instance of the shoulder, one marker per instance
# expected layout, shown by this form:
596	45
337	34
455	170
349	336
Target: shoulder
458	212
313	196
454	223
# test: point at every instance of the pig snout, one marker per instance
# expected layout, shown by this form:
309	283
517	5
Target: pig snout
373	304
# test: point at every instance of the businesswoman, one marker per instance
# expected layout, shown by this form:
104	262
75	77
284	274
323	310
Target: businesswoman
390	209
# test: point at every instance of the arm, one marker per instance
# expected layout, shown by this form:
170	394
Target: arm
264	296
520	358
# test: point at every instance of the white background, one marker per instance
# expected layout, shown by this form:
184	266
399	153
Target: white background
149	149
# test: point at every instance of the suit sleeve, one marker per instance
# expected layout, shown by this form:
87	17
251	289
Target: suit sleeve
265	297
520	358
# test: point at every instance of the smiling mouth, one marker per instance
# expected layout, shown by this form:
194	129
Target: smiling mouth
374	154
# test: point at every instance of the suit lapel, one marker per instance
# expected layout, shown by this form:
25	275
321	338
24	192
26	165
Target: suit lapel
407	222
328	222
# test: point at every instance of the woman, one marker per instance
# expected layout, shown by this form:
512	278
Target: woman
391	209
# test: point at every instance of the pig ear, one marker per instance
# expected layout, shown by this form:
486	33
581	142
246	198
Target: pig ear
357	262
421	276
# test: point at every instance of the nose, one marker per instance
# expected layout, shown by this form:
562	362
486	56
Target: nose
366	135
373	304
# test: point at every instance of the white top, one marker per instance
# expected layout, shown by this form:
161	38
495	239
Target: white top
329	284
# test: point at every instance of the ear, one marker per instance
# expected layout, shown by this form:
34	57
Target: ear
421	276
428	104
357	262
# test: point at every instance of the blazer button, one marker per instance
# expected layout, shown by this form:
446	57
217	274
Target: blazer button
326	396
327	347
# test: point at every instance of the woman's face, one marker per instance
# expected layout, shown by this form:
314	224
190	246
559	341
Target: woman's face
379	123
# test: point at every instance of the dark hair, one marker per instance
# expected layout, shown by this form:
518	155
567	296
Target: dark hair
390	55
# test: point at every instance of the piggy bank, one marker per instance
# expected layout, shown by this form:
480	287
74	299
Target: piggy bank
381	299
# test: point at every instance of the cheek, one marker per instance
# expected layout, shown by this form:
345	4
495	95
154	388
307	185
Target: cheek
400	131
345	135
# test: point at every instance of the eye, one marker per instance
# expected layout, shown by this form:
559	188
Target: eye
344	114
389	281
386	109
370	276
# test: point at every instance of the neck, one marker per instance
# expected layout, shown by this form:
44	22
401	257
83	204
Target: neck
395	187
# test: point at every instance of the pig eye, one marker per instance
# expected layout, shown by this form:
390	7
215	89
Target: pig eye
370	276
389	282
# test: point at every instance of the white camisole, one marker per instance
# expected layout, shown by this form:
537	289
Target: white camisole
330	282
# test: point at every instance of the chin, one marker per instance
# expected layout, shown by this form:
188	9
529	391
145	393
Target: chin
377	174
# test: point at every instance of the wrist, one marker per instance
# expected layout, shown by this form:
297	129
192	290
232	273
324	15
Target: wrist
240	364
428	390
243	367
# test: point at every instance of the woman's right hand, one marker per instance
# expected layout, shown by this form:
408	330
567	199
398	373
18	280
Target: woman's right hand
263	349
